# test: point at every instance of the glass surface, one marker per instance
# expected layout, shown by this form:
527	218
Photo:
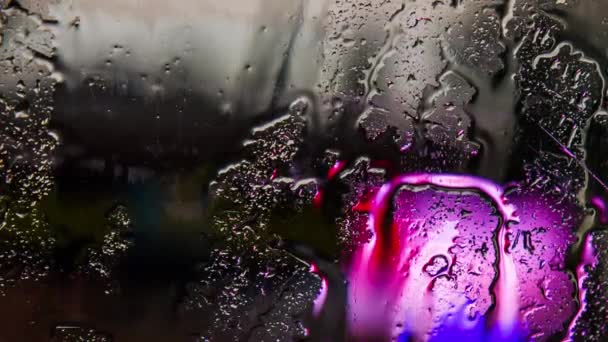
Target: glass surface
303	170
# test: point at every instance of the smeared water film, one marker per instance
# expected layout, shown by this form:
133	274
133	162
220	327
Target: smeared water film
291	170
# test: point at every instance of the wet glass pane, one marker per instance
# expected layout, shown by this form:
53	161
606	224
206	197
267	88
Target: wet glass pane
303	170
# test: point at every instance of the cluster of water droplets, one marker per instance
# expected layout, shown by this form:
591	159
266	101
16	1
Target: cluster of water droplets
76	333
255	285
26	146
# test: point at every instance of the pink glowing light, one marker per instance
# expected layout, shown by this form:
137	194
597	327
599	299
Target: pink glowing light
600	206
319	301
379	273
444	245
334	170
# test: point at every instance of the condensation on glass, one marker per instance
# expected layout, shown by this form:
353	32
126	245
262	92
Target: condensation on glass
322	170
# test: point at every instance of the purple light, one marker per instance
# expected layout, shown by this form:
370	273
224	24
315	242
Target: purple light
319	302
459	257
383	272
600	206
459	326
